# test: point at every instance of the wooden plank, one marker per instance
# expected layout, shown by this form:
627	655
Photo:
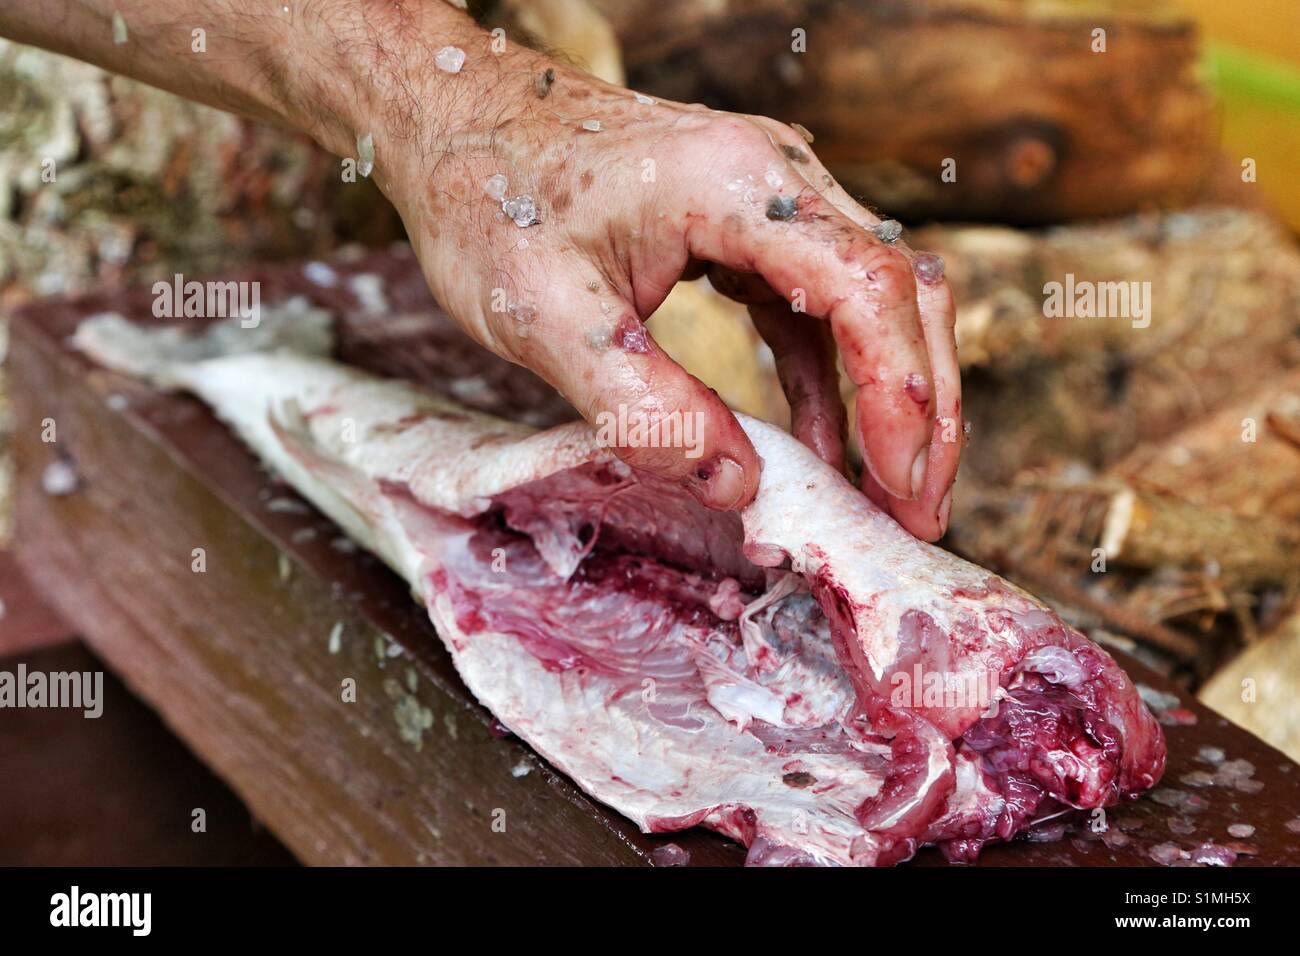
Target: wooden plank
116	790
27	622
237	658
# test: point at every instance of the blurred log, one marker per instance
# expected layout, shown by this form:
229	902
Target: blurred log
1137	528
1223	310
1041	127
1260	690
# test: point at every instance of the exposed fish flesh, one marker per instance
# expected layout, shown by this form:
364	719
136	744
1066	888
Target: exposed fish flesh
804	677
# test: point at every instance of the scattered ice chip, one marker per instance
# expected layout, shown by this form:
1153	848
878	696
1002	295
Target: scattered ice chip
118	402
449	59
59	478
1212	755
591	125
1241	830
365	154
670	854
1166	853
1198	778
521	769
1213	854
1157	700
888	231
495	186
644	100
318	273
928	268
522	210
336	637
120	34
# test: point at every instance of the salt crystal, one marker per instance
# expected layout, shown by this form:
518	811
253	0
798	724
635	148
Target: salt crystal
522	210
496	186
670	854
521	769
365	154
59	478
888	231
1241	830
591	126
449	59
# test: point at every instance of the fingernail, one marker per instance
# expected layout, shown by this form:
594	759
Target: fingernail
719	484
945	510
918	471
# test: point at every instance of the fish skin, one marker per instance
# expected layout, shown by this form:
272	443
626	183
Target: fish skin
346	440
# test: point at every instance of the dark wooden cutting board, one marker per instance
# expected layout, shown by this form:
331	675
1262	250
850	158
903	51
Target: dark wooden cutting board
237	659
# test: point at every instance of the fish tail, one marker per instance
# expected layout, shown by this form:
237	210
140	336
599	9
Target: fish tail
166	356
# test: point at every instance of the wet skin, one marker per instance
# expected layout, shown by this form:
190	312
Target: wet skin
630	196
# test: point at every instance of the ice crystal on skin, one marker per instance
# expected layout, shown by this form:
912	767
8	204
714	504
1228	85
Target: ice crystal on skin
888	231
365	154
496	186
644	100
449	59
591	125
522	210
120	34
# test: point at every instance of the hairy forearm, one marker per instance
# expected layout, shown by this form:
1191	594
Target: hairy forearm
333	69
